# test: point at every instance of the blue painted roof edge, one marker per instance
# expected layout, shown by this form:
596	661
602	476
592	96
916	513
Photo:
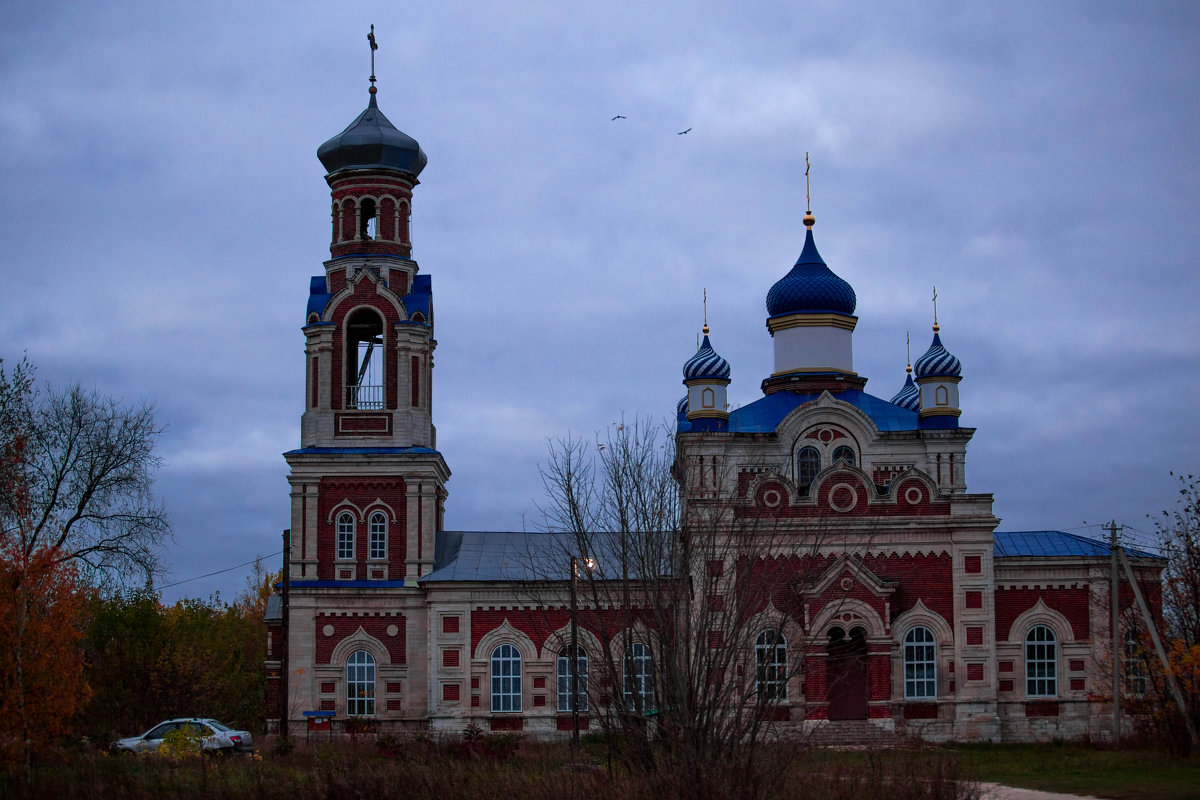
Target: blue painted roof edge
366	450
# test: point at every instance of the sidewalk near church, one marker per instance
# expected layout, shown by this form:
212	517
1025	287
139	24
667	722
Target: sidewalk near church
996	791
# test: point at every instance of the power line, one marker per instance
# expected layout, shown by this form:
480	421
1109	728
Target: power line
220	571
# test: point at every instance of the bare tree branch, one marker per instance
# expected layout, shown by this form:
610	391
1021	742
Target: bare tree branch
83	467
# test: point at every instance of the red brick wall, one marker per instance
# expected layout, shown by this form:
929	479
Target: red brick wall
361	492
1072	603
925	577
344	625
849	504
539	623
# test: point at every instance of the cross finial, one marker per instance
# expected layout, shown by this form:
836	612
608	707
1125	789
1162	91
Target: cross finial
807	189
935	322
374	47
809	219
908	347
706	312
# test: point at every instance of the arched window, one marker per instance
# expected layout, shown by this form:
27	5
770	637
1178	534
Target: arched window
707	399
920	664
360	685
377	543
808	464
364	360
1041	663
1134	662
770	661
565	690
844	453
345	536
639	678
942	396
368	220
506	678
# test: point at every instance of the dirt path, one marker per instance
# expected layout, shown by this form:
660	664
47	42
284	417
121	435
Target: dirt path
994	791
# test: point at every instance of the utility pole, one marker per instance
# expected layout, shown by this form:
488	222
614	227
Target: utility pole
1116	630
283	647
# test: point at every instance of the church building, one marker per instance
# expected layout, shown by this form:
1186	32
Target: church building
905	609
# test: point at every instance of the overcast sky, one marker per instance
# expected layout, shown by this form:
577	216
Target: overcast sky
163	209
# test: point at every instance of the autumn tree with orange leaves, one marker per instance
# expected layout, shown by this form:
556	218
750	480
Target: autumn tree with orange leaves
76	469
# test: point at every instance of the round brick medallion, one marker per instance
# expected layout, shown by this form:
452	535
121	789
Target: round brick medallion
843	497
327	630
913	495
392	630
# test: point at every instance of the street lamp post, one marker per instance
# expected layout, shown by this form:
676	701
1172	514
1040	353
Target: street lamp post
573	657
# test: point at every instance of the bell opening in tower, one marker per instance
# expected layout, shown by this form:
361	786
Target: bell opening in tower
364	359
368	224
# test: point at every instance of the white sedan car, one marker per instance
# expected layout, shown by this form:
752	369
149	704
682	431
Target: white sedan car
214	737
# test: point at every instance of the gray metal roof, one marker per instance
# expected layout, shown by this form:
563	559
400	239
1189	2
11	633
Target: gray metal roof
516	556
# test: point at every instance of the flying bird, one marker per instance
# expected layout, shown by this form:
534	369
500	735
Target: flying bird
617	117
681	133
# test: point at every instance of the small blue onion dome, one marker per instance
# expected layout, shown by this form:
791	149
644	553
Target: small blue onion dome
682	406
372	141
908	397
937	362
706	363
810	287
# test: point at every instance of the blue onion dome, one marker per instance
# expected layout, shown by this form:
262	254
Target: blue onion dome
810	287
938	362
909	396
372	142
706	363
682	406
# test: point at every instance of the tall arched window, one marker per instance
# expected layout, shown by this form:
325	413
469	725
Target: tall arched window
364	360
808	464
345	536
1041	662
506	678
920	664
639	678
377	544
360	685
770	661
565	689
844	453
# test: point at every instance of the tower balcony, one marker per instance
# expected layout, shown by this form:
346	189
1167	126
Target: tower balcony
364	397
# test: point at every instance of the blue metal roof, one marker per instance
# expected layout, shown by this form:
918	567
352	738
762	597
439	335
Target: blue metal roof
706	364
764	416
937	361
1015	544
419	296
810	287
318	296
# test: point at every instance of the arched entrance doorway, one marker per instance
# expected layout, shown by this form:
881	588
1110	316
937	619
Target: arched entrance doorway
846	673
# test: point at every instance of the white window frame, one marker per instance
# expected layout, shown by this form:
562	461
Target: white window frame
920	664
345	536
639	678
1041	662
564	678
506	679
377	529
771	667
360	684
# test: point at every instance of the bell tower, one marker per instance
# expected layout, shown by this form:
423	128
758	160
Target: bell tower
368	484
